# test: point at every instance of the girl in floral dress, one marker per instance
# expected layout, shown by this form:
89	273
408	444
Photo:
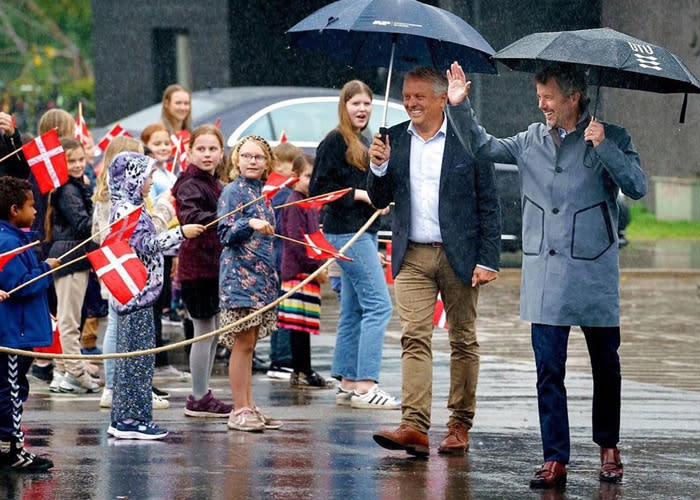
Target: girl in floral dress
247	276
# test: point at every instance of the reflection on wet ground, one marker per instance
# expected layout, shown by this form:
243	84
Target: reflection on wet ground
326	452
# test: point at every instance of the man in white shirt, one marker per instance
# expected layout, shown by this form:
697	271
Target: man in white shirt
446	239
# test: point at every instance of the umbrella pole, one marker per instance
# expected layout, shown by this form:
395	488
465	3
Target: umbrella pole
382	130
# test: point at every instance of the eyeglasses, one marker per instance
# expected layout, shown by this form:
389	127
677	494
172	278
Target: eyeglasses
250	157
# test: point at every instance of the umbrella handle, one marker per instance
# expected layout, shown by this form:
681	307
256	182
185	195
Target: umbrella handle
383	132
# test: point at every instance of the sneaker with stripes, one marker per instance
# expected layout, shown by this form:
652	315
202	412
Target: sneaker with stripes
374	399
14	457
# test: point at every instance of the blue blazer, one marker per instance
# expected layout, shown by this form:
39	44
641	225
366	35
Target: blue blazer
469	211
24	317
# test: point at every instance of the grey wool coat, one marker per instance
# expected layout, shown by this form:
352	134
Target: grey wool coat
570	269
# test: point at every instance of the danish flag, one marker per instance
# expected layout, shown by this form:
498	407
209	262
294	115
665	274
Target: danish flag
122	229
283	137
8	256
319	248
115	131
275	182
439	315
180	143
81	130
320	200
120	270
47	161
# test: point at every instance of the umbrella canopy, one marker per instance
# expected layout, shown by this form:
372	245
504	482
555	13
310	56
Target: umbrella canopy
361	33
618	60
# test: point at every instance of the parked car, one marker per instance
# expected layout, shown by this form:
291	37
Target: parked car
305	115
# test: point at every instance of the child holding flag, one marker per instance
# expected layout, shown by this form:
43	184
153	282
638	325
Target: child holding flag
247	276
132	409
25	311
299	315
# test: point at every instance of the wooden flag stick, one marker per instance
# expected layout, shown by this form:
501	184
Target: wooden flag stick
19	287
218	219
8	155
334	254
345	190
92	236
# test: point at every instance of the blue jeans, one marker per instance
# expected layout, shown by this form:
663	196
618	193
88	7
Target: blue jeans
550	344
365	310
109	346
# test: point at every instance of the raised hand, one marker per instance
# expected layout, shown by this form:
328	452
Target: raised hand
458	86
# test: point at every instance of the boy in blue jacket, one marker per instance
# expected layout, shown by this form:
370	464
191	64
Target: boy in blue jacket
24	321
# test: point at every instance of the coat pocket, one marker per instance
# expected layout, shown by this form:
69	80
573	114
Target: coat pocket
593	232
533	227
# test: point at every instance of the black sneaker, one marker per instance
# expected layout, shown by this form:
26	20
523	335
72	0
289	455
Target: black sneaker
279	372
160	393
44	373
13	457
312	381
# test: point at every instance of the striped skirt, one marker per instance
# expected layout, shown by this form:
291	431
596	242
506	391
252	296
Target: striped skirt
300	312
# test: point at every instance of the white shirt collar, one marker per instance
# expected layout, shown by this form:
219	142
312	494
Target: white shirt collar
442	130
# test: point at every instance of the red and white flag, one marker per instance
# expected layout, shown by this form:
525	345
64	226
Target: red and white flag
180	144
439	315
319	201
217	123
81	130
115	131
120	270
122	229
47	161
8	256
320	248
283	137
275	182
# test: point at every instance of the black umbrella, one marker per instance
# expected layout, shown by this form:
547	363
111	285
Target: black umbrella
392	33
611	59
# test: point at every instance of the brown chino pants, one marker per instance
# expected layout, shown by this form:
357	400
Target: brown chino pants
424	272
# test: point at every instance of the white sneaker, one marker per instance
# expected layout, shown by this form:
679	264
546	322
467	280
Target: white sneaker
55	384
106	399
78	385
169	371
159	403
375	399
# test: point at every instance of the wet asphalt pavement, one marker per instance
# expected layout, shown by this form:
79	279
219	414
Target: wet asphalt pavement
326	452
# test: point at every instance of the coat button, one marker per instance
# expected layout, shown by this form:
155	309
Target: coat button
552	252
558	170
555	211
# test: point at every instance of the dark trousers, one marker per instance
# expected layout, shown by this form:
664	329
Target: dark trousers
550	346
301	350
14	389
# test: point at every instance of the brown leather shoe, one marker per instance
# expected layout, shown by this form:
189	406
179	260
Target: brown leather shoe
457	440
550	475
406	438
611	468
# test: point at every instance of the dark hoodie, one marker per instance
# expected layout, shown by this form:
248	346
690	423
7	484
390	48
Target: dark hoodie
196	196
127	175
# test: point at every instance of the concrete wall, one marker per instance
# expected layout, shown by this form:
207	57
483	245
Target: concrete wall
667	148
123	55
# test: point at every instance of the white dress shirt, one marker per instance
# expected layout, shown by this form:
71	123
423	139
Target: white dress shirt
425	165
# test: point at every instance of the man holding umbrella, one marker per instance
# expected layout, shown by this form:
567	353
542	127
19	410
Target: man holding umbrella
446	239
571	169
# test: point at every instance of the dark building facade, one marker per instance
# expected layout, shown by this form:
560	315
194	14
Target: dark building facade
141	47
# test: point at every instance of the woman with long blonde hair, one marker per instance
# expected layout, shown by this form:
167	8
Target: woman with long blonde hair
365	306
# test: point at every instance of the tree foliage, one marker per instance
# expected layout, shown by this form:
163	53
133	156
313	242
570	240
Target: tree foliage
46	57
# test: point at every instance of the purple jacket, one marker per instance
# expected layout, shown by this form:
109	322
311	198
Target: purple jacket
295	221
196	195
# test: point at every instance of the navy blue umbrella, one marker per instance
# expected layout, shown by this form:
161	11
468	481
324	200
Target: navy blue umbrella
392	33
611	59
